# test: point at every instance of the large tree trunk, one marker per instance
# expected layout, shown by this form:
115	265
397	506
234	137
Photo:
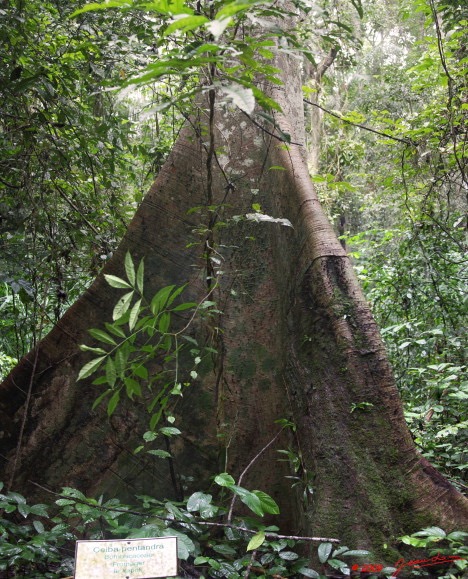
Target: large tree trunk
296	340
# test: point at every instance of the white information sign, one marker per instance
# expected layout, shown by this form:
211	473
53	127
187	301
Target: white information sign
126	559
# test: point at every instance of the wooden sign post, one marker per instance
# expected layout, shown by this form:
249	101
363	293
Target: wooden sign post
126	559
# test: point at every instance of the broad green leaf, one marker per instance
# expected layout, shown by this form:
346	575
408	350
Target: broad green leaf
185	306
130	269
256	541
112	405
225	550
175	294
164	322
19	499
121	357
122	306
185	545
102	6
408	540
150	436
140	371
114	330
309	573
249	499
101	398
324	551
185	24
289	555
140	276
231	8
160	299
169	431
134	312
353	553
39	527
457	536
147	531
160	453
198	501
224	480
200	560
336	563
265	101
132	387
431	532
111	374
155	418
65	502
268	504
85	348
40	510
117	282
23	509
99	381
102	336
168	7
241	96
90	368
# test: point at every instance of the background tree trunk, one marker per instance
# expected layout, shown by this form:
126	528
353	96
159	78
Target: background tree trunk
296	340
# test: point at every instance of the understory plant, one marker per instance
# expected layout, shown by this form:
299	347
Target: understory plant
37	541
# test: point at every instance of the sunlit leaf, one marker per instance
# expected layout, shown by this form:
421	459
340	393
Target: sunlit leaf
130	269
224	480
324	551
185	24
113	402
256	541
90	368
134	312
122	306
140	276
117	282
111	374
102	336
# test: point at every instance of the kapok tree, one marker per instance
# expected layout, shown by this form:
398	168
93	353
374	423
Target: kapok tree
233	214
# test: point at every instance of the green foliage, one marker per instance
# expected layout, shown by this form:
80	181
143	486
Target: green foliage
399	204
6	364
437	543
73	161
210	40
36	543
138	356
205	545
30	541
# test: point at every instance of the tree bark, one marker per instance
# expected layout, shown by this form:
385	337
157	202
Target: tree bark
296	340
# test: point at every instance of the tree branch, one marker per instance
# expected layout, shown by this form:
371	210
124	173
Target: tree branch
386	135
326	63
247	468
170	520
258	125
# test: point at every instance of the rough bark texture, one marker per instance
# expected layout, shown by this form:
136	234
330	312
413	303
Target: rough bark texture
296	340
